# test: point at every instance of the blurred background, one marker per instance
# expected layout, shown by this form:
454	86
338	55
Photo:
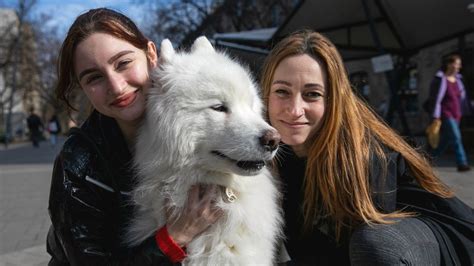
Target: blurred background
391	48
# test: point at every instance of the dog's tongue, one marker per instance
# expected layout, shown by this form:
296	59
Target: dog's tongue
251	165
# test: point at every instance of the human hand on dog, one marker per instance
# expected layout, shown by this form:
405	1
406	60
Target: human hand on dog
198	214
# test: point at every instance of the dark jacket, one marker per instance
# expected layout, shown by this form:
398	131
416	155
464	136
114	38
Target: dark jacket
89	200
451	221
34	124
54	127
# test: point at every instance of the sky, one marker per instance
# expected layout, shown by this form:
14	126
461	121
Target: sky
65	11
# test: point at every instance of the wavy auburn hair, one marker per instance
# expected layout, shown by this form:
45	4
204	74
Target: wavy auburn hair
99	20
336	179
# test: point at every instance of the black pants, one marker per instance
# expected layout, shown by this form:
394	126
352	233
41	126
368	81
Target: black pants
36	138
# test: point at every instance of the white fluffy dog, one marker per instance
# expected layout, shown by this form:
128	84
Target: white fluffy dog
204	125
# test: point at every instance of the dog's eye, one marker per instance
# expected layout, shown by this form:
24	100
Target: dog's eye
220	108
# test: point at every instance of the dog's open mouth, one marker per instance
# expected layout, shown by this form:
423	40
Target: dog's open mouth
246	165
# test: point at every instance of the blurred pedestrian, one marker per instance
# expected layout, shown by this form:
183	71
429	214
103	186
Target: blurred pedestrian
54	128
446	103
35	127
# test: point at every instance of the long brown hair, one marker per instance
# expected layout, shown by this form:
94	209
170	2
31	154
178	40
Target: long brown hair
336	178
101	20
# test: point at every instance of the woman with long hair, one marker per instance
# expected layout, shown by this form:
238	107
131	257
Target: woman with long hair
345	173
109	59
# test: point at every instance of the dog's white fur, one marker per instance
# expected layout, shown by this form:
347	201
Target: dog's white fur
203	101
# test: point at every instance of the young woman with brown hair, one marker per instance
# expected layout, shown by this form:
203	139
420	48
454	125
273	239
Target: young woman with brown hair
345	173
107	57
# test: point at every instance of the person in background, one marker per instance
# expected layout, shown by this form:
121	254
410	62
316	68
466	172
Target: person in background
54	128
355	193
35	126
446	102
107	57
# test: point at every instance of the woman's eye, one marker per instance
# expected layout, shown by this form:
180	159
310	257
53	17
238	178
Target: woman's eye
92	78
123	64
281	92
313	94
220	108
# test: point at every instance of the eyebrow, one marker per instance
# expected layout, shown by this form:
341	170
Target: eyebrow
115	57
110	61
308	85
281	82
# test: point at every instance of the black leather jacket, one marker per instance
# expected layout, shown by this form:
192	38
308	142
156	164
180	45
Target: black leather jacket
89	200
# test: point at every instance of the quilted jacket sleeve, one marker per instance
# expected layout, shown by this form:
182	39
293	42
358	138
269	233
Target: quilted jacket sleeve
385	178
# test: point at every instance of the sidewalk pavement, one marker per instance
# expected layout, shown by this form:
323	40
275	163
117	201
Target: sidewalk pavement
461	183
25	174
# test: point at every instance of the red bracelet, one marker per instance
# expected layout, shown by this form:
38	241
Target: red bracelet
172	250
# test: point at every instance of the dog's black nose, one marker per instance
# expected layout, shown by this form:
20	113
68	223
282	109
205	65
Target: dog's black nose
270	140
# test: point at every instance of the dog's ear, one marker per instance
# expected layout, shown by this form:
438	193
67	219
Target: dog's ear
166	51
202	44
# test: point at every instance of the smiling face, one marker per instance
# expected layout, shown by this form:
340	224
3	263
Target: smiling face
114	75
296	102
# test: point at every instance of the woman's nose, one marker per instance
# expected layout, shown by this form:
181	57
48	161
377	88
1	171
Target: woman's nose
116	84
296	106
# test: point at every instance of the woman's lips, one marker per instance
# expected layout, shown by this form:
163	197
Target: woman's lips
125	100
294	124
